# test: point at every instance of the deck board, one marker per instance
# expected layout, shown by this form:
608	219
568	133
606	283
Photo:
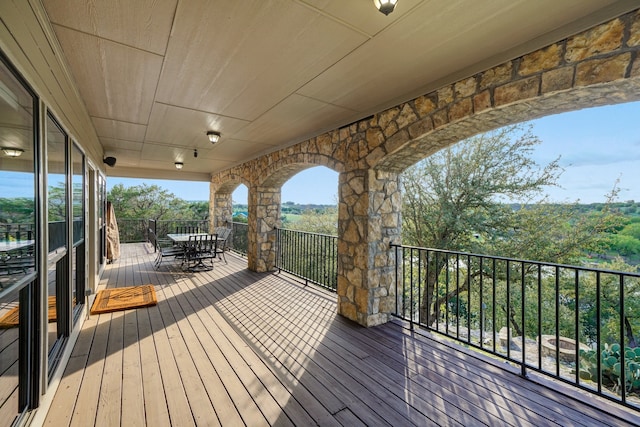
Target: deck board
233	347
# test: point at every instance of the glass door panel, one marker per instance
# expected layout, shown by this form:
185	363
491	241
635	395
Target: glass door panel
78	275
58	286
18	248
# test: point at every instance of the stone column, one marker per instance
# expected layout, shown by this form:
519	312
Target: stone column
221	210
264	218
368	220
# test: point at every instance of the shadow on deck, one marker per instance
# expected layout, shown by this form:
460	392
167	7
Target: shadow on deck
234	347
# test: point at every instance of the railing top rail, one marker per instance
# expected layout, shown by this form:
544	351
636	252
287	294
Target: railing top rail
307	232
525	261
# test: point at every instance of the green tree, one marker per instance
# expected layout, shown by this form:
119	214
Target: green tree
58	202
632	229
625	245
323	221
609	297
17	210
146	202
198	210
456	200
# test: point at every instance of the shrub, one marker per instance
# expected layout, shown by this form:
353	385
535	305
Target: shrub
611	367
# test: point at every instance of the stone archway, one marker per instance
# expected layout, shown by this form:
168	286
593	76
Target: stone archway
599	66
264	179
220	198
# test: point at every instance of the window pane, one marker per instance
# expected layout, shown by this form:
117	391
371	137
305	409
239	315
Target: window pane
57	186
77	184
58	286
17	181
77	255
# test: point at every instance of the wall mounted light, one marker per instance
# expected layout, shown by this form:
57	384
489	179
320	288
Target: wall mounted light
109	161
179	165
12	152
213	136
385	6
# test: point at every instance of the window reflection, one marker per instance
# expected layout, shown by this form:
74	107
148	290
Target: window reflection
58	286
57	185
77	208
17	177
18	246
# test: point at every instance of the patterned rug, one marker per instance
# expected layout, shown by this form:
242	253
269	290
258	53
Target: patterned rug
116	299
11	317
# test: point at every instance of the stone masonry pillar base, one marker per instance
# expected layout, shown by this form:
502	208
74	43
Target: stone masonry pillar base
369	218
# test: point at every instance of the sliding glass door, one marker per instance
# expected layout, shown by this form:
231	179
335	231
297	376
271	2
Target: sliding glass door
19	240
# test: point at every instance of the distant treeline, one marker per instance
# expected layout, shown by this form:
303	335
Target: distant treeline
628	208
289	208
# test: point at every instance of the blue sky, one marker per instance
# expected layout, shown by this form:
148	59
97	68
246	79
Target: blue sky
597	146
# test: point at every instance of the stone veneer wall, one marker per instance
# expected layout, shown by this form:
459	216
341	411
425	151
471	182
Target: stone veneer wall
596	67
264	218
368	222
221	213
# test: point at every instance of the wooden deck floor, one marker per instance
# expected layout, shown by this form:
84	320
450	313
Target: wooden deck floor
232	347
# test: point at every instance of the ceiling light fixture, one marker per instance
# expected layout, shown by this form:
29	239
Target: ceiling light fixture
213	136
385	6
179	165
12	152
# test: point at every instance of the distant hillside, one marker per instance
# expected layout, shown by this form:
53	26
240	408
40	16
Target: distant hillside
629	208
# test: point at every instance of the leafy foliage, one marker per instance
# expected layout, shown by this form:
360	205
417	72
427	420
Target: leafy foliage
323	221
611	367
153	202
17	210
455	200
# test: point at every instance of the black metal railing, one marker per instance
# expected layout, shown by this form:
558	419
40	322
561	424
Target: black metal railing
133	230
310	256
576	324
57	235
14	232
164	227
57	232
137	230
239	238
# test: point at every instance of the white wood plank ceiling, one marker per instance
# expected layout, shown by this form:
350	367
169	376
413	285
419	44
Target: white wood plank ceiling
156	75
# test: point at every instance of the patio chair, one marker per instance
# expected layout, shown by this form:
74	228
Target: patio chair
223	234
200	250
163	249
187	229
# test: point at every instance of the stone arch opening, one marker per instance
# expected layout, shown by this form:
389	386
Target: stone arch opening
599	66
221	200
411	151
309	201
240	200
284	169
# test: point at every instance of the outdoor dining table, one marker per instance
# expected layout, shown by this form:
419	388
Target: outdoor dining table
183	239
14	256
15	244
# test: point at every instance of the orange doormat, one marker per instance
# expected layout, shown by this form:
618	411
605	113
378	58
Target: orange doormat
11	318
115	299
